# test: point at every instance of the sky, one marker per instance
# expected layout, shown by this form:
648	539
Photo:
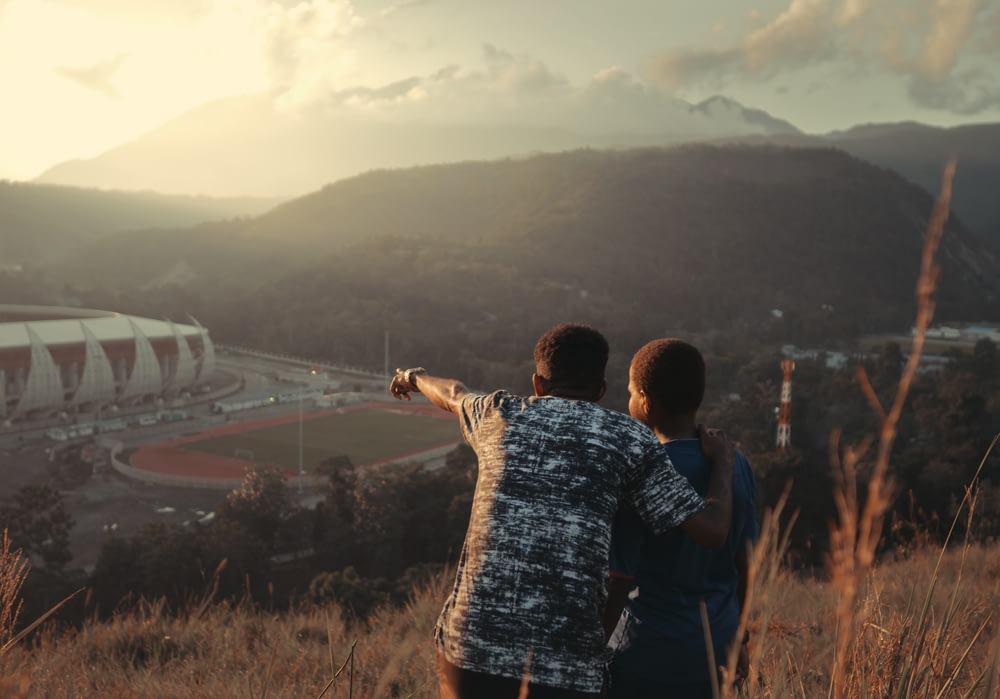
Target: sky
78	77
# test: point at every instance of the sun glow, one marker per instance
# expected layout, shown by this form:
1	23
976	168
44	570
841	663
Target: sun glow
91	82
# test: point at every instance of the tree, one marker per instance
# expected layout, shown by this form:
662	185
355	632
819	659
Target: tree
340	505
179	565
259	505
37	523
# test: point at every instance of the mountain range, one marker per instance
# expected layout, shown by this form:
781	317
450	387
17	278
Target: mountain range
252	145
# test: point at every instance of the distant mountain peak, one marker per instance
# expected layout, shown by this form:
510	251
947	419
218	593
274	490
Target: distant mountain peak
720	105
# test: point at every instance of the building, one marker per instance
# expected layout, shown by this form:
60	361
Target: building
55	360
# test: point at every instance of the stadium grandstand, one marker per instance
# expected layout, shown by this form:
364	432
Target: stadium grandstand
55	360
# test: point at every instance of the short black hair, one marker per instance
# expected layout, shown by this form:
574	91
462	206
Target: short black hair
572	356
671	372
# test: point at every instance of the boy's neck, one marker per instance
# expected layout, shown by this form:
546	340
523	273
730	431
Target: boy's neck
670	427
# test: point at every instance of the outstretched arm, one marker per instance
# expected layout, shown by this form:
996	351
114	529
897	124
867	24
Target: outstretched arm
444	393
710	527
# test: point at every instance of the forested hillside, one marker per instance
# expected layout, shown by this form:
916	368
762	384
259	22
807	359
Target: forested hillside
40	223
465	264
916	151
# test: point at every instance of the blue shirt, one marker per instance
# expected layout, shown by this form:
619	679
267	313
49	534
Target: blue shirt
673	575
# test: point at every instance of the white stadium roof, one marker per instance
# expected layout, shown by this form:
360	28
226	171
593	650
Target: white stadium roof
54	330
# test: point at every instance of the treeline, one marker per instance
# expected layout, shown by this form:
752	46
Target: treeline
375	534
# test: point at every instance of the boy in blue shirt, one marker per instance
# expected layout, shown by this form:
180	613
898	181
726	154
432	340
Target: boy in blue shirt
659	641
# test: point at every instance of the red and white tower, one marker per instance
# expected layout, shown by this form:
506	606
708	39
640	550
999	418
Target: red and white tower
785	412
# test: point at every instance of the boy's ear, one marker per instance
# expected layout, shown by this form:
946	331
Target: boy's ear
604	389
538	383
647	403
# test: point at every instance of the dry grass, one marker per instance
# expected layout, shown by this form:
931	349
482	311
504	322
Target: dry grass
13	571
234	652
915	623
923	610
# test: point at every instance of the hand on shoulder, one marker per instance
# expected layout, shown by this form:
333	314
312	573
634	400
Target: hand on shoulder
716	445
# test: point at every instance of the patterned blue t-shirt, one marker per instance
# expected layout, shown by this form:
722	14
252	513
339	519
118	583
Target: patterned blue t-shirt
532	578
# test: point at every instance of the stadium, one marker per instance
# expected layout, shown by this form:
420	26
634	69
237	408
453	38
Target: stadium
55	360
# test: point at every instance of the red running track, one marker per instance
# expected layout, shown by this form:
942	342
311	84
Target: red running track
168	458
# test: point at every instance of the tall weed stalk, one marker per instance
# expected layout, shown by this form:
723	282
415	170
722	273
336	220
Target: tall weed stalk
857	530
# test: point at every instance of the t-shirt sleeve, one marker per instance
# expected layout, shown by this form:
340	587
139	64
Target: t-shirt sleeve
472	408
662	497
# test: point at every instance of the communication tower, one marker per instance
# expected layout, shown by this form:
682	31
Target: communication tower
785	412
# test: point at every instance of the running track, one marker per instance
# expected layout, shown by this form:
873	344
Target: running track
169	458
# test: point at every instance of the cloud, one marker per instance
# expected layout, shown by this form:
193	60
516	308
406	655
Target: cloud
307	49
681	68
946	38
932	44
518	74
369	96
801	34
969	92
987	40
521	91
502	88
180	9
927	44
400	6
615	100
96	77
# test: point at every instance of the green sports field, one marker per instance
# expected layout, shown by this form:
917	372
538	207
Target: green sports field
364	436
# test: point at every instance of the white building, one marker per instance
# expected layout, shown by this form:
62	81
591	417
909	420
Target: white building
55	359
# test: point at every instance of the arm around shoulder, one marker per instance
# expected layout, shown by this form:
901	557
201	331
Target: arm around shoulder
710	526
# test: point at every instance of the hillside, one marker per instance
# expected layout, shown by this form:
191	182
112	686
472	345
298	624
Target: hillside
483	255
917	152
40	223
207	652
